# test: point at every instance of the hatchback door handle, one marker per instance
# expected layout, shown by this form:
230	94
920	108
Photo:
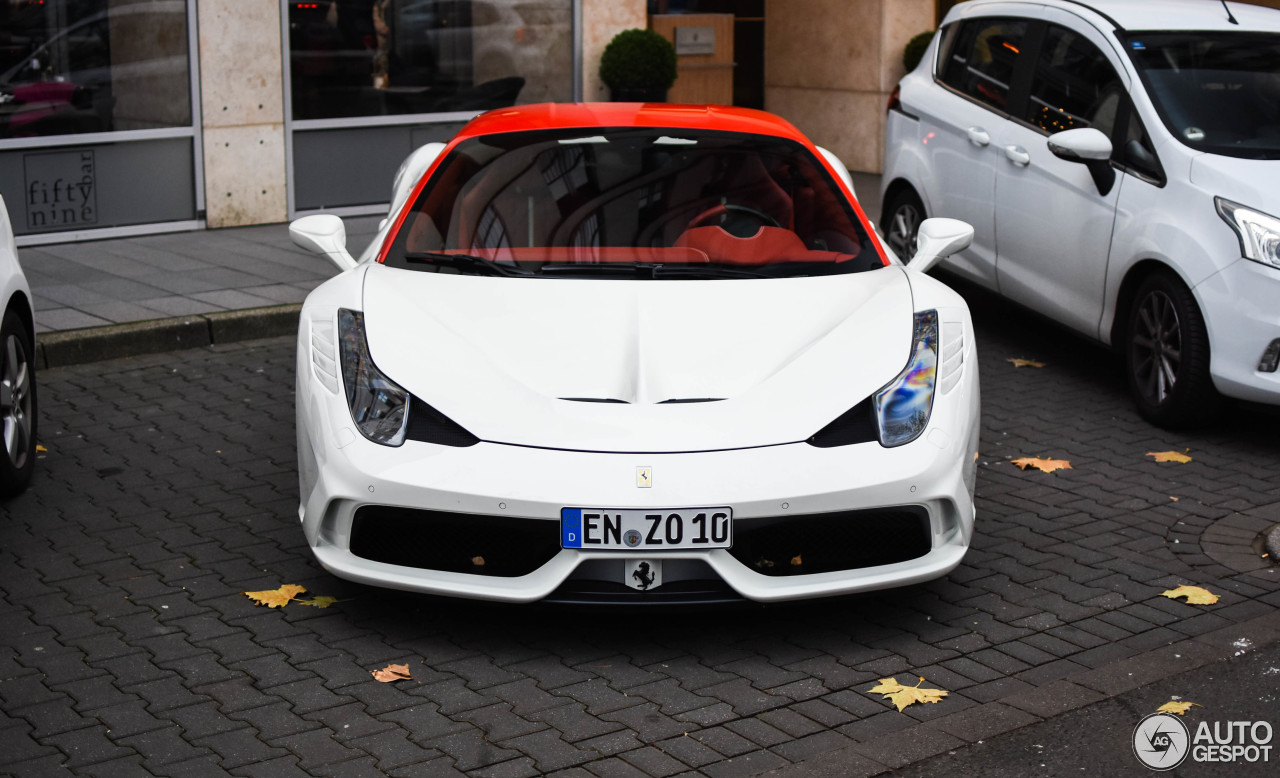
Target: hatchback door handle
978	136
1017	155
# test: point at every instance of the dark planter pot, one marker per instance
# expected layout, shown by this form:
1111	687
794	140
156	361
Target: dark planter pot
638	95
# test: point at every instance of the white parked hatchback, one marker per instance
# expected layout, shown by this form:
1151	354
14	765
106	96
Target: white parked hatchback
1118	160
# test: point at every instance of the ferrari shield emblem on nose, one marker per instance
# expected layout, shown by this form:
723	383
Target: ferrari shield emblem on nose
644	477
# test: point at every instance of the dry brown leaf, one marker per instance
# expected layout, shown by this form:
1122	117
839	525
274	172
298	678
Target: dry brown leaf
1024	362
392	673
1044	465
478	561
1170	456
902	696
1178	707
323	601
276	598
1196	595
796	561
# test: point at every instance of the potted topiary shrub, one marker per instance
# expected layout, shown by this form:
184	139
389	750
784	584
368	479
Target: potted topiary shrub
638	66
915	49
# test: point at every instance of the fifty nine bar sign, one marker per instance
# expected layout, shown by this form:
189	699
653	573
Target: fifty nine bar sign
61	189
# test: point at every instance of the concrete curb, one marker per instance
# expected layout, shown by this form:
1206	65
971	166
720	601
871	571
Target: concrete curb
927	739
93	344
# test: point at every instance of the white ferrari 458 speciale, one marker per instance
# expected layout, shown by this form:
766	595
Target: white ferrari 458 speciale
650	353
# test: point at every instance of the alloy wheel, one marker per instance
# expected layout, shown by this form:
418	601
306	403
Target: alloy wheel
1157	347
15	401
903	227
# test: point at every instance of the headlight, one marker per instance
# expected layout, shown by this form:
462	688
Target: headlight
903	406
379	406
1259	233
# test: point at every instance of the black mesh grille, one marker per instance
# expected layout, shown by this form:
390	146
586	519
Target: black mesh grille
428	425
824	542
856	425
453	542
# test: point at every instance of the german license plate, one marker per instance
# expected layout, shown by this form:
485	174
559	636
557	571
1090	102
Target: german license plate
626	529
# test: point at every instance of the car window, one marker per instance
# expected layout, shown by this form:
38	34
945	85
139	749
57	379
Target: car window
1073	85
980	63
633	199
1135	151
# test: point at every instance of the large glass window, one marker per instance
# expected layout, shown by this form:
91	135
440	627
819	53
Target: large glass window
389	57
75	66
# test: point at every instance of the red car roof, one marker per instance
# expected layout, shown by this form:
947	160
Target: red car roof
568	115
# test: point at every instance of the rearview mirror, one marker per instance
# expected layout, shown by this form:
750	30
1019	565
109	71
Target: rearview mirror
1091	148
938	239
324	234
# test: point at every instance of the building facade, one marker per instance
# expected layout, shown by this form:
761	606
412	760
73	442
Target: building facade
131	116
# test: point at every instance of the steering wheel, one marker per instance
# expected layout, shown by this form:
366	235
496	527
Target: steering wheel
727	212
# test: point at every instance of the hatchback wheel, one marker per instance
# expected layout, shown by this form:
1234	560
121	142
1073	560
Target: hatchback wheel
900	223
17	406
1167	355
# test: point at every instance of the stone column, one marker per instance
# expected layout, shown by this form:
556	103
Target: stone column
601	20
242	102
831	64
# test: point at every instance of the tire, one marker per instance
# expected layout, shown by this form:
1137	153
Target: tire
1167	355
17	406
900	222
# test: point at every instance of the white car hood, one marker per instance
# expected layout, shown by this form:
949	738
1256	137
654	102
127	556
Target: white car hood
1253	183
497	355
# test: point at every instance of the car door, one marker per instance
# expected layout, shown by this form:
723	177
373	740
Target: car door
958	121
1053	222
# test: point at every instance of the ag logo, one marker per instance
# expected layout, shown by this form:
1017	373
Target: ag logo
1161	741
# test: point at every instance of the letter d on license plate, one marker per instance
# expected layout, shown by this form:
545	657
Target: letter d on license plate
625	529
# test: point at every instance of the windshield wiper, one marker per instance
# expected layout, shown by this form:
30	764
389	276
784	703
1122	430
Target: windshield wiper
650	270
468	261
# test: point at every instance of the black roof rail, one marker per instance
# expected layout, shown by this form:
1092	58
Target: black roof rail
1083	4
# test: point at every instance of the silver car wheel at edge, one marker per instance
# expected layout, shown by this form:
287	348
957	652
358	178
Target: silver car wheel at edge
901	223
1167	354
17	406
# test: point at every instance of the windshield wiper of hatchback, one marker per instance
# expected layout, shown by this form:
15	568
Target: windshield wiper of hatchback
466	261
650	270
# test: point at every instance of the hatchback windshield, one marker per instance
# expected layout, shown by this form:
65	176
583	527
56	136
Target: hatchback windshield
632	203
1216	92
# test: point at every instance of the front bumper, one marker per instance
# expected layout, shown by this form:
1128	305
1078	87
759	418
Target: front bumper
1241	306
342	473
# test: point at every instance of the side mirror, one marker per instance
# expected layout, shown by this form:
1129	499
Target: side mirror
1080	145
1089	147
938	239
840	169
323	234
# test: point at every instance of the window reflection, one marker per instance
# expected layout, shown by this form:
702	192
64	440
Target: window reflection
74	66
388	57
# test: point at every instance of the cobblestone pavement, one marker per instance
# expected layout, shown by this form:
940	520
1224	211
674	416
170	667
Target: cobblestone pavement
168	488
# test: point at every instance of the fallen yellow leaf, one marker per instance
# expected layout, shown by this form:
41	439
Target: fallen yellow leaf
323	601
1195	595
1180	708
276	598
796	561
1170	456
1044	465
902	696
392	673
1024	362
41	449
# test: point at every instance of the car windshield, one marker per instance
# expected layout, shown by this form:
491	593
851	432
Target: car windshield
1216	92
632	203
